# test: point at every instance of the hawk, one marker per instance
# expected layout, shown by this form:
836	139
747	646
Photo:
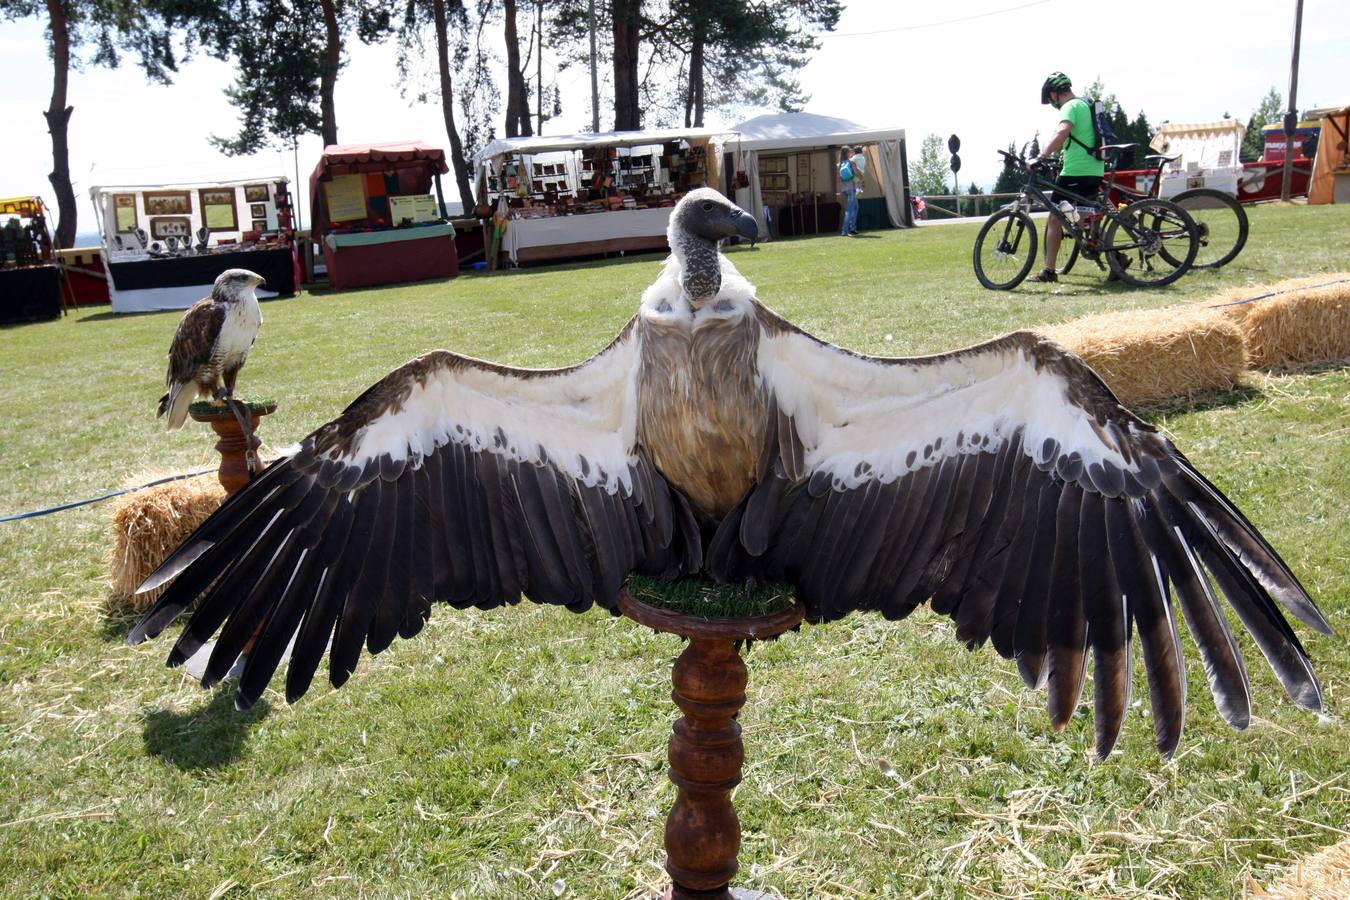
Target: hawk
211	344
1003	484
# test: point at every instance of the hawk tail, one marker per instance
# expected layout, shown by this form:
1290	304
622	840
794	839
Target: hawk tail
175	402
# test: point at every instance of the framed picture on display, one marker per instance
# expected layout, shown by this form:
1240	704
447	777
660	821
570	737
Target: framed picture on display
258	210
168	203
256	193
218	210
163	227
260	225
124	211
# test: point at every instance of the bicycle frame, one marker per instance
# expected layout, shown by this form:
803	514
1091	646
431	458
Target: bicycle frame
1034	188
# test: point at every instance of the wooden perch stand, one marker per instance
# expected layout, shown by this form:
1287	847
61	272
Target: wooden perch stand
703	834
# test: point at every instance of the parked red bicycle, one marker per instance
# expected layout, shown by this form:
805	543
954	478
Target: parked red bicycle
1219	217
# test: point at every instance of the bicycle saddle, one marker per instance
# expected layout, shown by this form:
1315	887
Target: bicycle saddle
1117	148
1158	157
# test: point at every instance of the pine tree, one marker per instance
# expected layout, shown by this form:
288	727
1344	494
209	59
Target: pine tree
1268	112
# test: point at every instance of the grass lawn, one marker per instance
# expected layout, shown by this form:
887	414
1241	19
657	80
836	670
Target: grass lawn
521	752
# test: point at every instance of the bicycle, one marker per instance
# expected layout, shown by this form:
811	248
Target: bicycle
1149	243
1220	217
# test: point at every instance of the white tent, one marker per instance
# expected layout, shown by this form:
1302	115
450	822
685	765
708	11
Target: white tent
1209	155
814	140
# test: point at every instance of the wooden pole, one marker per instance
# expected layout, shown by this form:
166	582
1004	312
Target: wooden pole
1291	117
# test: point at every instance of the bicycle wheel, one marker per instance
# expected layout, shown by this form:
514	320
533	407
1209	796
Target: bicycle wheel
1222	222
1150	243
1005	250
1073	255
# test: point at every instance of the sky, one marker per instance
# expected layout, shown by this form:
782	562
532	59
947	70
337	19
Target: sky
966	67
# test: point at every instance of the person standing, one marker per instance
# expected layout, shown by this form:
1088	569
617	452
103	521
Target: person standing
860	169
848	181
1081	172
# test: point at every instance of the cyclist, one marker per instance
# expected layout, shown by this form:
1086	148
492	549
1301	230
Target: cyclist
1082	172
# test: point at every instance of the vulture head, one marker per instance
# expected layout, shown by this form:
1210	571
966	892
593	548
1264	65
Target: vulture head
235	284
699	222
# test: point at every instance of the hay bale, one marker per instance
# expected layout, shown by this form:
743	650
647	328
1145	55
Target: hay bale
146	526
1148	356
1323	876
1305	321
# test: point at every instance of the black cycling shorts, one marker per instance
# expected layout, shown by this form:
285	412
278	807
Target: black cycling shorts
1082	185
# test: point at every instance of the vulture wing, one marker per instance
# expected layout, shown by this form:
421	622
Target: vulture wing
450	479
1008	486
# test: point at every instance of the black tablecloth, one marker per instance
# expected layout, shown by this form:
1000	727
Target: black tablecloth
183	271
30	295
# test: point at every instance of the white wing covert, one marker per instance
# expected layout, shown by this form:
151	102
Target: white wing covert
1007	485
450	479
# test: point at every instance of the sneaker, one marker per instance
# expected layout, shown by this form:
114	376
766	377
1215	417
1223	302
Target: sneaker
1044	275
854	233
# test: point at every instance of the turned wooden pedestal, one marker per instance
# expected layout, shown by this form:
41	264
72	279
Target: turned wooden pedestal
703	835
233	445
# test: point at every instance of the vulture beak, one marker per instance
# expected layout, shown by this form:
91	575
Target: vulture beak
746	226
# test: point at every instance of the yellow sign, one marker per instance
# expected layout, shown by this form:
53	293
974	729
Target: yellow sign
415	208
346	198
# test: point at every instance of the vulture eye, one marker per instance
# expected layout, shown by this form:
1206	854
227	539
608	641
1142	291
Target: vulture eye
707	206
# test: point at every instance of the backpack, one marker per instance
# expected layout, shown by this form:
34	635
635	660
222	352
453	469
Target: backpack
1103	133
846	172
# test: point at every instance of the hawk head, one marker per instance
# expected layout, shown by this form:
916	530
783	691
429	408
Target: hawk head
233	285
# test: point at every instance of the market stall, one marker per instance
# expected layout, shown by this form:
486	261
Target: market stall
1264	178
1206	156
164	245
787	173
583	194
1331	169
31	283
373	216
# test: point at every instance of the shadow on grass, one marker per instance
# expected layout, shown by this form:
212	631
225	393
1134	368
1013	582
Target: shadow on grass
116	619
206	738
1201	402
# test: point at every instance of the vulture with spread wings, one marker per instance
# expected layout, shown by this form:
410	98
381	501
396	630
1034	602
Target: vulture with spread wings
1003	483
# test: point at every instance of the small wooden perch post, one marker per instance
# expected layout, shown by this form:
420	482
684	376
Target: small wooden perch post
234	447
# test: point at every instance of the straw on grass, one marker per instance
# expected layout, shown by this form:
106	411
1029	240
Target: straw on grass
1150	356
1326	874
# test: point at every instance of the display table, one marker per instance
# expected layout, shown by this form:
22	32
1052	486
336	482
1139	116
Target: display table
528	240
807	218
367	258
30	294
180	281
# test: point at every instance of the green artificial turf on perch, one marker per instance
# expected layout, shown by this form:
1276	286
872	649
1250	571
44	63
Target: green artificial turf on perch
710	600
211	407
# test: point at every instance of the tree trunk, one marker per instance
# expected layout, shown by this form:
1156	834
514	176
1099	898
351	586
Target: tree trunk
58	122
517	98
696	79
328	80
627	31
448	108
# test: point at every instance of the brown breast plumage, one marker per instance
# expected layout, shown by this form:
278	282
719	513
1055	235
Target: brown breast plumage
701	415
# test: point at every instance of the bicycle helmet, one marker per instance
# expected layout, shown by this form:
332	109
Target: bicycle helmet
1057	81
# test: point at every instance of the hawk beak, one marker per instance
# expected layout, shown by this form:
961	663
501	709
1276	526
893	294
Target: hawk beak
259	281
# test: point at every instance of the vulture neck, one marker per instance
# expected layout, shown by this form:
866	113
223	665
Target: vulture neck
700	267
